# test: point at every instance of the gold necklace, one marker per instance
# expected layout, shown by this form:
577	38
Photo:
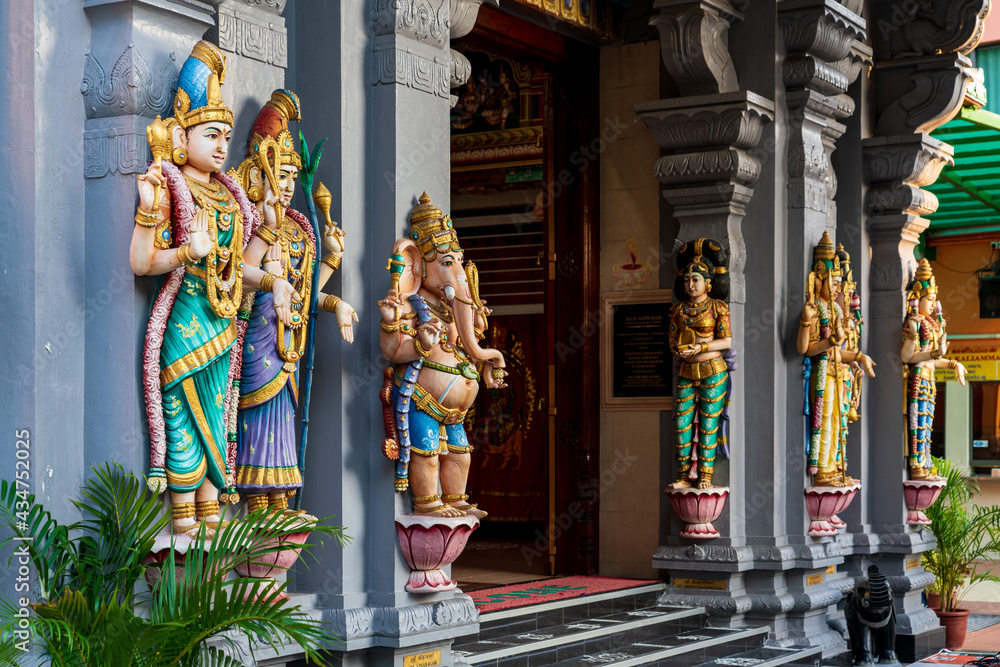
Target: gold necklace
443	312
213	196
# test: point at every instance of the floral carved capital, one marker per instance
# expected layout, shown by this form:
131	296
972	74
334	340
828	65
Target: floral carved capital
421	20
131	88
920	28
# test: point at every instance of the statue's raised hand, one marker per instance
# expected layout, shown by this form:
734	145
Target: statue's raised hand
272	259
333	239
809	311
200	240
270	215
387	306
147	186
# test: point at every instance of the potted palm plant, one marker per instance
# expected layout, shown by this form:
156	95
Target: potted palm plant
966	536
92	607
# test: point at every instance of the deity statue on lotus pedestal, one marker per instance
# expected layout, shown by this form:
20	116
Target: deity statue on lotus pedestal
925	342
701	342
432	322
195	225
828	339
268	469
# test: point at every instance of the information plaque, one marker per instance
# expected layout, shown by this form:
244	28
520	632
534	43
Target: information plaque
637	367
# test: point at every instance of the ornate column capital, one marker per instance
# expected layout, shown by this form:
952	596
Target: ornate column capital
462	19
424	21
908	29
694	44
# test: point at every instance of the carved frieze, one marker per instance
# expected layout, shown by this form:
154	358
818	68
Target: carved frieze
277	6
131	88
411	68
116	150
731	165
421	20
694	44
248	35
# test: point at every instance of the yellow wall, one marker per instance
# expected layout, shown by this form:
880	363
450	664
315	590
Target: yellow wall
630	207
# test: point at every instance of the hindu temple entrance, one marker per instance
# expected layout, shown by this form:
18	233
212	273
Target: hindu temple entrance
524	196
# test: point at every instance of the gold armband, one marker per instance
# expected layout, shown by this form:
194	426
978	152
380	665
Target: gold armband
805	323
267	234
333	261
330	303
419	348
267	282
147	219
952	364
389	328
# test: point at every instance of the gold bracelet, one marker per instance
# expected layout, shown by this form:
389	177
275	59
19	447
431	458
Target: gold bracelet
419	348
331	306
267	282
389	328
267	234
805	323
952	364
333	261
146	218
184	256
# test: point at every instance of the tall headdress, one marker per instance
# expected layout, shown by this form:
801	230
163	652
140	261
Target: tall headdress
431	230
199	88
825	260
923	282
271	144
707	257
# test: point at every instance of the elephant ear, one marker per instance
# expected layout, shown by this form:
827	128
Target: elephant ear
413	266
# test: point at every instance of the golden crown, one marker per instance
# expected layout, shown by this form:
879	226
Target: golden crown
214	108
825	258
432	231
923	281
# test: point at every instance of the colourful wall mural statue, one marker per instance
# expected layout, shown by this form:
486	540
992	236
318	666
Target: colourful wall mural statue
268	468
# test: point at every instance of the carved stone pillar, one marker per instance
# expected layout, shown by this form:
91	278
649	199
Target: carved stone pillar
252	35
919	79
710	135
129	75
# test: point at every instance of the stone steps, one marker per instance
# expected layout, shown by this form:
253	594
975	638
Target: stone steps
624	628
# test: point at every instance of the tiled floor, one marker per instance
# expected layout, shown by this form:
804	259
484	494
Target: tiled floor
987	639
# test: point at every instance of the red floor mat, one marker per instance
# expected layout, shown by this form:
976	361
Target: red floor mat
548	590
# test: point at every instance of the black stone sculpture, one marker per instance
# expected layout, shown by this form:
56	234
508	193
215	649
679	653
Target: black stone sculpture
871	620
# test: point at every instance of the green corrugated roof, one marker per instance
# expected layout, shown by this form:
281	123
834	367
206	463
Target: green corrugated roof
969	193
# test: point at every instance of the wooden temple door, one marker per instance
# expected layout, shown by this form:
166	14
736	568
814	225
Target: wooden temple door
525	202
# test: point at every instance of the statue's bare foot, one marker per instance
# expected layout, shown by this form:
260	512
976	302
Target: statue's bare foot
443	510
705	484
683	483
460	501
191	528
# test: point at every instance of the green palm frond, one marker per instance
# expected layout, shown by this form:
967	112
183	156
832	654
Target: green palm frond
48	543
89	620
965	534
10	654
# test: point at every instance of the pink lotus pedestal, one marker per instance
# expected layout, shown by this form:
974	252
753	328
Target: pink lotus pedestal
430	543
275	563
698	508
823	503
158	554
921	494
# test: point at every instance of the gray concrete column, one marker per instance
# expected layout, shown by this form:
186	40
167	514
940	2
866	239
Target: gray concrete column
374	78
919	81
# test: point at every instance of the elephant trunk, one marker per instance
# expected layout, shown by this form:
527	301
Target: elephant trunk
464	306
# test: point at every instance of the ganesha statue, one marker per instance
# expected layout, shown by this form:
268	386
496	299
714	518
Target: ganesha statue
196	225
432	323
